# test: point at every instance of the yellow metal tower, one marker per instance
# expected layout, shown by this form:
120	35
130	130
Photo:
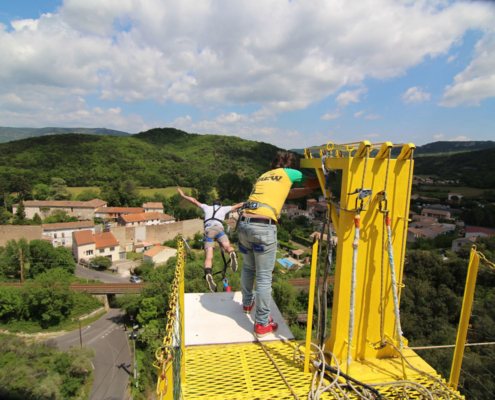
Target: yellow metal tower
374	187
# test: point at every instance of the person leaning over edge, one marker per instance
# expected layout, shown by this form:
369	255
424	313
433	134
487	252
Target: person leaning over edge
214	216
258	234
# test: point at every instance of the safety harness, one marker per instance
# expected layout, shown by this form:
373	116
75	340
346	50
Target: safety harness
206	239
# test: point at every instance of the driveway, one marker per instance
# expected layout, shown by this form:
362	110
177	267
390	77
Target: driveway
112	362
90	273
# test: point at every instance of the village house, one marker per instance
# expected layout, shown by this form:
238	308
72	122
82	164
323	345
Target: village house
159	254
414	233
83	210
113	213
310	204
477	231
153	207
429	212
143	219
87	245
60	234
458	243
298	213
435	230
288	209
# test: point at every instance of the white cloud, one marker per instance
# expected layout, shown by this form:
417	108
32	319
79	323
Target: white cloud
439	136
281	55
277	55
372	135
333	115
358	114
415	94
71	111
452	57
477	81
459	139
373	116
350	96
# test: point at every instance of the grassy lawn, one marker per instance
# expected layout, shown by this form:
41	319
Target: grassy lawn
443	191
169	191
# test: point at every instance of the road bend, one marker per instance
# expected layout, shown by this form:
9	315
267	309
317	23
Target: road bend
112	362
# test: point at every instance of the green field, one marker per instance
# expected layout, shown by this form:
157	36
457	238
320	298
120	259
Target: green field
443	191
169	191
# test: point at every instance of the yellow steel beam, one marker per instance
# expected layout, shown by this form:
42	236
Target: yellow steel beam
467	305
309	324
367	310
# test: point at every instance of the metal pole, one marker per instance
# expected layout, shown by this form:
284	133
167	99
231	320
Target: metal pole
80	333
467	305
134	352
309	324
22	267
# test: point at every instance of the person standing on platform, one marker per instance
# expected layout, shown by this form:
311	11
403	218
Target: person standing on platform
258	234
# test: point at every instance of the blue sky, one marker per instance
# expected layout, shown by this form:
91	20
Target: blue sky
294	74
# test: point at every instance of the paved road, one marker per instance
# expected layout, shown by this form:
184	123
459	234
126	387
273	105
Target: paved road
89	273
113	361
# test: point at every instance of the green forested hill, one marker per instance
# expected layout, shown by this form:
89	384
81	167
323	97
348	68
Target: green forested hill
474	169
156	158
8	134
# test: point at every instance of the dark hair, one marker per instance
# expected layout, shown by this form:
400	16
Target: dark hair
284	159
217	202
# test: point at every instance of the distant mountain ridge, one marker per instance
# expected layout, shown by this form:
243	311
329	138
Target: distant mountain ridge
443	147
8	134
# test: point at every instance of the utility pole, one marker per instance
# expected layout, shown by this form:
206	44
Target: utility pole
80	333
22	266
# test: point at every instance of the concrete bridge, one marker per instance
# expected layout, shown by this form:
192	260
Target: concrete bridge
102	288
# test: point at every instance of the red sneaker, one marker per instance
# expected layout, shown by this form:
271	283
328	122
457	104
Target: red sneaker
248	309
261	331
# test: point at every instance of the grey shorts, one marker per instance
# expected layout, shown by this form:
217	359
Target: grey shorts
212	233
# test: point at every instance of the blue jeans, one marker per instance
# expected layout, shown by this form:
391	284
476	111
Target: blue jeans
258	244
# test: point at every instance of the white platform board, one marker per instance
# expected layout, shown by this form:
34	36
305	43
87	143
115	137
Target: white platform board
218	318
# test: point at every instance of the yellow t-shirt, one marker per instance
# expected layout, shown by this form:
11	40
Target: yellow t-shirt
272	189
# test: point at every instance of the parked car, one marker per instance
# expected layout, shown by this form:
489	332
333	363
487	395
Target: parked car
135	279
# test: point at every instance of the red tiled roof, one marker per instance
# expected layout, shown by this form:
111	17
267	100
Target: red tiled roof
146	217
436	228
132	218
83	237
57	203
438	212
154	251
105	239
96	203
153	205
120	210
476	229
68	225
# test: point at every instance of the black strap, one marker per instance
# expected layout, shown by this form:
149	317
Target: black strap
213	216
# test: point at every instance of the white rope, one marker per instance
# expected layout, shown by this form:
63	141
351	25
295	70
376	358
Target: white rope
355	245
341	391
394	285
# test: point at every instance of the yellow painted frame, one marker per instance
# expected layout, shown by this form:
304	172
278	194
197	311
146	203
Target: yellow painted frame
351	159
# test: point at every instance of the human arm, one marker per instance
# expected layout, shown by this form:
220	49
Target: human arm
190	199
313	183
299	192
237	206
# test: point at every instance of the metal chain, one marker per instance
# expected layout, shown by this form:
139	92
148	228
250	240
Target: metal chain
165	355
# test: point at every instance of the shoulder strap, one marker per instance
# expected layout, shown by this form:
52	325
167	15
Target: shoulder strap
213	216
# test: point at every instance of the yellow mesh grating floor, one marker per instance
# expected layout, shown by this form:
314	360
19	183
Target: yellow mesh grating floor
243	371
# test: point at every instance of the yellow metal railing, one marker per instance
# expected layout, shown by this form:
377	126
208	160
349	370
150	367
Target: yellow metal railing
171	356
467	305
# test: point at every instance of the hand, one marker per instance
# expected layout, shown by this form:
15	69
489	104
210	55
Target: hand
180	192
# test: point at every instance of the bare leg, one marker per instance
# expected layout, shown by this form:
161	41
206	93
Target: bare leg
209	257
